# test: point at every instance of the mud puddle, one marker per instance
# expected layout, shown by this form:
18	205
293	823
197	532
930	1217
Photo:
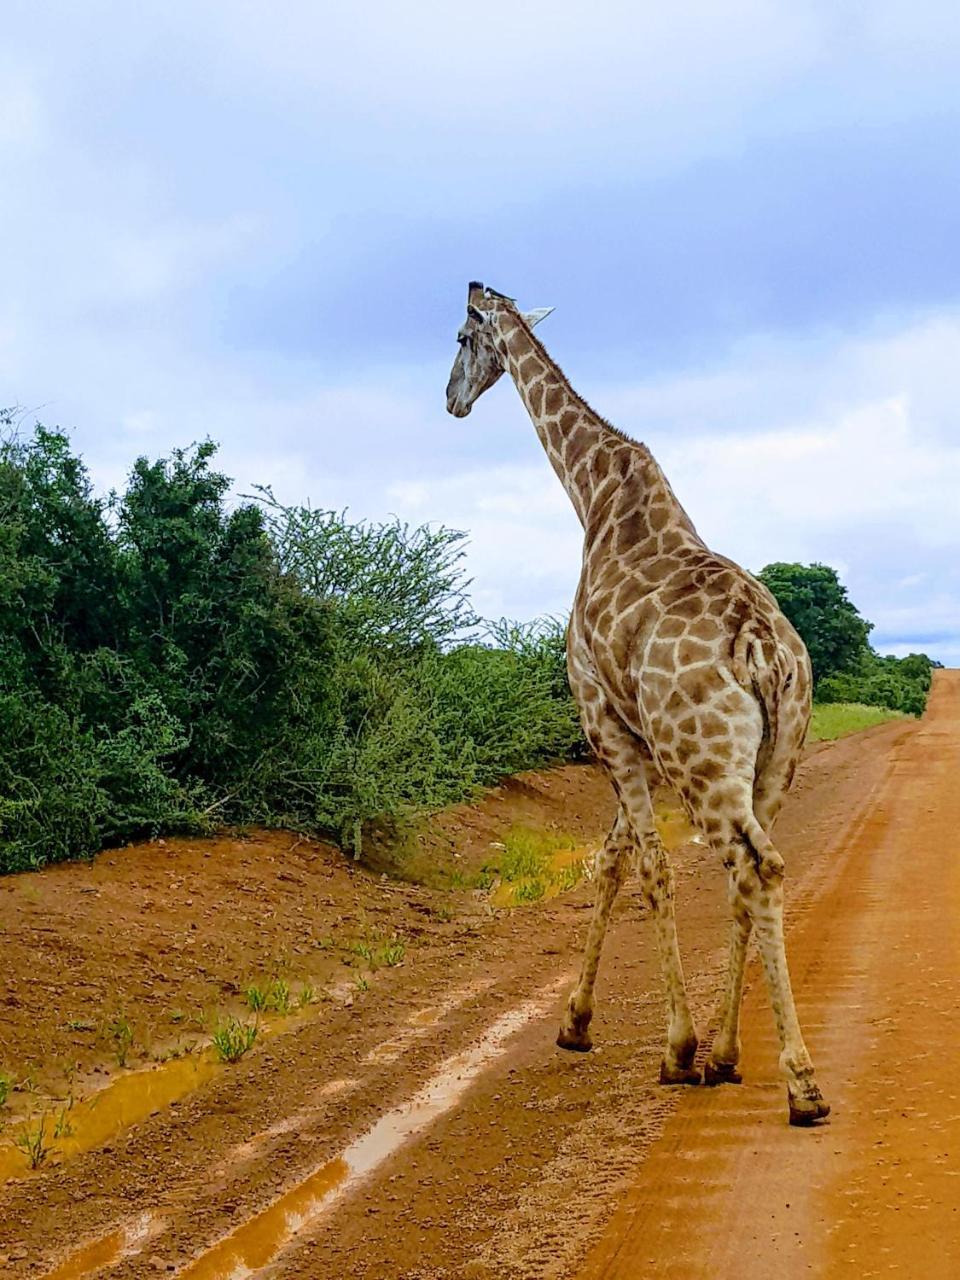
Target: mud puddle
66	1132
262	1238
422	1022
61	1133
106	1251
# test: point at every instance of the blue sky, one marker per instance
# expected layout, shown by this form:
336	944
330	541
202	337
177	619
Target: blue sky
257	223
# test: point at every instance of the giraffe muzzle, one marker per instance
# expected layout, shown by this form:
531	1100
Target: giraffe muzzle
457	409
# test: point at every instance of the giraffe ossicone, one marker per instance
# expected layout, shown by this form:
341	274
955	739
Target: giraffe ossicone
684	670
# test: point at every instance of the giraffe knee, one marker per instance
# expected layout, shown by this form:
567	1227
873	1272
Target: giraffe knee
611	866
755	848
656	875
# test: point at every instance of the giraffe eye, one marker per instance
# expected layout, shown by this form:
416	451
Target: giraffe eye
463	339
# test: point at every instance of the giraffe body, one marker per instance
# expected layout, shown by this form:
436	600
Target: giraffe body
684	669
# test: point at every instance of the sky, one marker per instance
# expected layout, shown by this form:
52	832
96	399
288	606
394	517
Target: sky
257	222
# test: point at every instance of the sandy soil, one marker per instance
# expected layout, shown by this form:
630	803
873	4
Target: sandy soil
427	1127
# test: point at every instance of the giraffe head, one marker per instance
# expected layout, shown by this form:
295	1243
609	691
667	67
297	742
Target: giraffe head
480	360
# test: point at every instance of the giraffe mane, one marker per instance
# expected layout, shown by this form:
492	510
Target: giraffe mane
604	422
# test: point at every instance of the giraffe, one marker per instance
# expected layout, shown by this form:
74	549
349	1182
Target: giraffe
684	670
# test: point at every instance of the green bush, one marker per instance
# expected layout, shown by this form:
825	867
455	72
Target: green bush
900	684
167	661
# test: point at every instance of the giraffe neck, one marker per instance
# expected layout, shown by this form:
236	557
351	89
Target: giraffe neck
571	433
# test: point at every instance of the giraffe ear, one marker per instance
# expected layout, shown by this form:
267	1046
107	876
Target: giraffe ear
534	317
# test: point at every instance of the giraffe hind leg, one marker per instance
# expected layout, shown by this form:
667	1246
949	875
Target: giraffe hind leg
757	873
721	1067
657	883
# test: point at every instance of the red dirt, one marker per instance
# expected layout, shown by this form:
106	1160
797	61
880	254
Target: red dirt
544	1164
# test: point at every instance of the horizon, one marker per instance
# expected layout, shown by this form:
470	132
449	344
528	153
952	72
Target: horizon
261	230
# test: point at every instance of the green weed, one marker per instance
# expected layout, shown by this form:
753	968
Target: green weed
391	953
363	949
526	852
568	877
28	1083
34	1143
233	1038
306	995
529	890
62	1127
278	996
81	1024
120	1033
6	1085
256	998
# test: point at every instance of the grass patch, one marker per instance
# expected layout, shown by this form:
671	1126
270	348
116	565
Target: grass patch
6	1085
391	953
120	1035
833	720
532	864
34	1143
81	1024
278	996
527	851
362	949
256	998
376	954
530	890
233	1038
63	1127
569	877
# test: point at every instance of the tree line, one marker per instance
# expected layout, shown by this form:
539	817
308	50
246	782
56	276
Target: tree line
171	661
845	666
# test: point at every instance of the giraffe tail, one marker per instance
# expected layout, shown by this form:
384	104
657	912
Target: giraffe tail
763	664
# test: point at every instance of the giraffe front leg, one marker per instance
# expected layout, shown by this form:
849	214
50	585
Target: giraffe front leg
759	884
657	881
611	867
721	1067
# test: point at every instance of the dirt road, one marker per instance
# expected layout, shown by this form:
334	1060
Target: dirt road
877	962
429	1129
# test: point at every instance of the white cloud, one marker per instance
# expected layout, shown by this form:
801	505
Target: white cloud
525	540
528	68
158	258
21	113
870	465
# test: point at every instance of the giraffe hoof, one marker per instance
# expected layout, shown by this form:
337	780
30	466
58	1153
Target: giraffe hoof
579	1042
678	1075
805	1112
574	1031
721	1073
